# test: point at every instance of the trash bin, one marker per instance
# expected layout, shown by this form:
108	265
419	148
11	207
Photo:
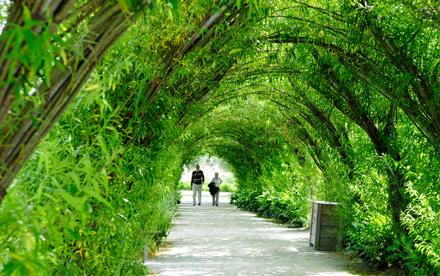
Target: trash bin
322	229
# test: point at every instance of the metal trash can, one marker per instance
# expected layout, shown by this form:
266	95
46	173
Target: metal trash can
322	229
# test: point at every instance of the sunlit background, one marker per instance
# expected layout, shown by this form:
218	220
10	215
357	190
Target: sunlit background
209	166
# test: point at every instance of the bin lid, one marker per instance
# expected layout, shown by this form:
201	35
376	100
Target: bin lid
326	202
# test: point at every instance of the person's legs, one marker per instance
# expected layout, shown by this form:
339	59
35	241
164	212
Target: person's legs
200	193
194	190
217	195
213	200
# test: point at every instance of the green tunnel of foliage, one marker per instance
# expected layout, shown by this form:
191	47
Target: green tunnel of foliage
313	100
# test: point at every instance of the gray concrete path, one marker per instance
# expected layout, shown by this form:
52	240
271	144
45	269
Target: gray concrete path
208	240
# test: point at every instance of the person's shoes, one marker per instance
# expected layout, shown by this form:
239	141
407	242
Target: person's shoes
216	205
194	204
199	204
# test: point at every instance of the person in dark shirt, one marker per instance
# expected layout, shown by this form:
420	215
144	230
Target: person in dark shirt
197	180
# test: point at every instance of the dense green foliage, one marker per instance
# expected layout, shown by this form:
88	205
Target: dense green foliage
277	205
91	202
305	100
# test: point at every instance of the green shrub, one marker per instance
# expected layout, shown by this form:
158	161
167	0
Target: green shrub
419	250
186	186
275	205
370	237
369	241
412	257
228	187
224	187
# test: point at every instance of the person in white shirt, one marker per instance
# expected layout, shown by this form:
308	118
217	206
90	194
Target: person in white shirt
217	181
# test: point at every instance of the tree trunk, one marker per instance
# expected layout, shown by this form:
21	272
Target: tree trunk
384	140
23	132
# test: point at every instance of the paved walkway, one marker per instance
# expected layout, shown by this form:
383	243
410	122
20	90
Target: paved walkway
208	240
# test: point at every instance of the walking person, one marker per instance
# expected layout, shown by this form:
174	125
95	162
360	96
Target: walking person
217	181
197	180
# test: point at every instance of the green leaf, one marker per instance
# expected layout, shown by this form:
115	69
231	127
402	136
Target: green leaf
26	14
